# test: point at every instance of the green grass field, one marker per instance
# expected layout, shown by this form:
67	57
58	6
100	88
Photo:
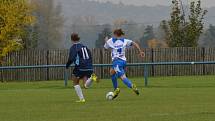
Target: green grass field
166	99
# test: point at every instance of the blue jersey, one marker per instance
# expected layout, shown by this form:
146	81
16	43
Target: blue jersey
81	56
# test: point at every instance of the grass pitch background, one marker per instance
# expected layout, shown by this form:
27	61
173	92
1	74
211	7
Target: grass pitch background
166	99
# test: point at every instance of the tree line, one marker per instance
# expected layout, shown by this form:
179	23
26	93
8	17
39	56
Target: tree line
180	30
27	24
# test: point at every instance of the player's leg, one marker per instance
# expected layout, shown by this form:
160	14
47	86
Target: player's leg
114	78
121	73
115	83
119	66
84	81
126	81
129	84
89	77
77	87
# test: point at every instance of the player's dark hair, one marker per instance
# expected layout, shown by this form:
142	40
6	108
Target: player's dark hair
118	32
75	37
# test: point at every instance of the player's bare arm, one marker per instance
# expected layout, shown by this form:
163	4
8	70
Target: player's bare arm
141	52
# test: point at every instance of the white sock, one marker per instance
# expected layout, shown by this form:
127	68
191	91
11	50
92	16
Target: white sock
88	83
79	92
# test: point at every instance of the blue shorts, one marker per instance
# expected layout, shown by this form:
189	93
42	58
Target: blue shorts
119	67
82	73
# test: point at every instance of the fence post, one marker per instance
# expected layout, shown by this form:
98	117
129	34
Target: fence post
47	63
1	76
146	75
65	78
153	67
101	61
203	54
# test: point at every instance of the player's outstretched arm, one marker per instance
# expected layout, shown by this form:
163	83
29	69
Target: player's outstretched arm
71	59
142	53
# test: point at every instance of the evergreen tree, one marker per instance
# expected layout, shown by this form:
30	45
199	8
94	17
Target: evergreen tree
148	35
101	36
208	39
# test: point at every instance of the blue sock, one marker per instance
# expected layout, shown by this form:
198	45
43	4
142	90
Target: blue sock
127	82
114	81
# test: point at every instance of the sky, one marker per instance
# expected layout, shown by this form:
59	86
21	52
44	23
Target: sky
205	3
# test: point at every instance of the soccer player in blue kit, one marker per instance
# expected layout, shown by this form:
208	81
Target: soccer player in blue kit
118	45
81	56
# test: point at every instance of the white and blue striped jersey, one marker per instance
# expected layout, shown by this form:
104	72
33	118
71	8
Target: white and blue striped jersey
118	47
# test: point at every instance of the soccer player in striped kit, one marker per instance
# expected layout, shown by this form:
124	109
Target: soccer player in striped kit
118	45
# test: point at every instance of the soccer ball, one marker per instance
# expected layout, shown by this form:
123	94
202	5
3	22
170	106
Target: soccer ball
109	95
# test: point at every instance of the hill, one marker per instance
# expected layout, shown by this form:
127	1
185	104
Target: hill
105	13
